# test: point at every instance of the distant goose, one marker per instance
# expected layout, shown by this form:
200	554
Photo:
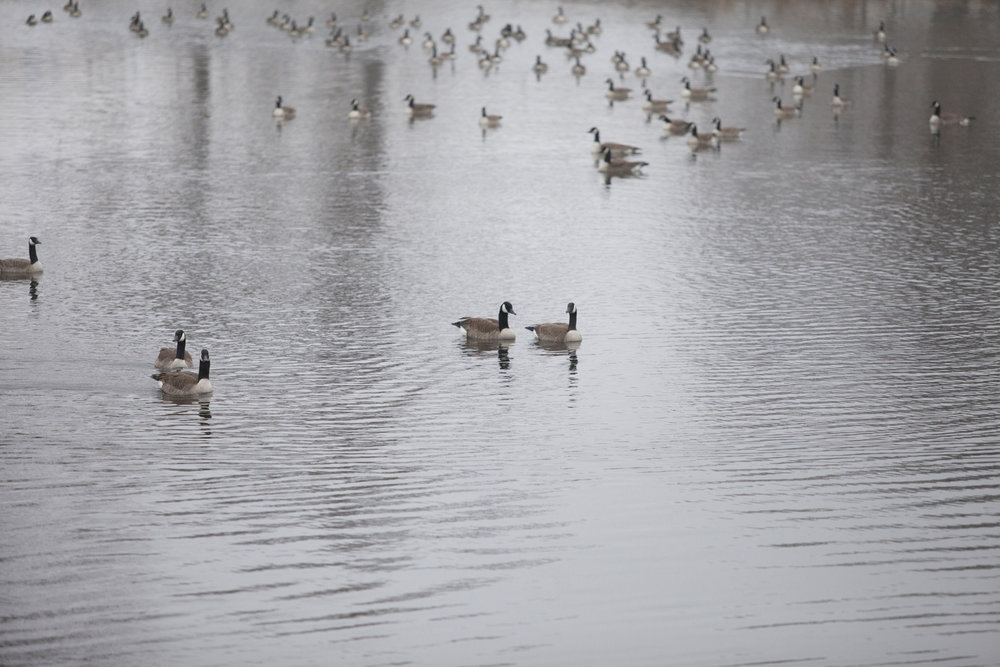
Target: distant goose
837	100
282	111
416	22
485	328
18	267
47	16
202	12
781	112
558	332
654	105
697	93
183	383
221	30
447	37
879	33
358	112
815	66
489	120
655	24
559	17
783	64
616	167
32	20
175	357
616	94
477	46
168	17
699	141
730	133
428	42
772	74
937	118
762	27
519	34
578	69
642	71
539	67
801	87
405	38
330	22
397	22
617	150
674	126
891	59
416	110
710	65
704	37
595	28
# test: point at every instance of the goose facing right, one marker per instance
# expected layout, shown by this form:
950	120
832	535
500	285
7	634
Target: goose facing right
489	120
558	332
170	358
184	383
282	111
18	267
487	328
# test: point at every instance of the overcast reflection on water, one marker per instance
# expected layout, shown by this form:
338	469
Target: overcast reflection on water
777	442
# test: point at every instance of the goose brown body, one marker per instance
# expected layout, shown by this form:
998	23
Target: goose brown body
558	332
175	357
487	328
184	383
19	267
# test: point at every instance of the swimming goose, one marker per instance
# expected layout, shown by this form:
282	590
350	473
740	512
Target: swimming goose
762	27
417	110
32	20
578	69
710	65
332	21
559	17
345	45
183	383
672	48
397	22
654	105
539	67
938	118
616	167
879	33
704	37
699	142
783	64
18	267
308	29
597	147
281	111
674	126
174	357
656	23
801	87
675	36
730	133
621	64
781	112
68	6
642	71
477	46
694	94
482	16
447	37
558	332
428	42
519	33
489	120
815	67
435	60
405	38
616	94
366	14
486	328
169	16
358	112
363	35
47	16
202	12
837	100
416	22
221	30
891	59
772	74
552	40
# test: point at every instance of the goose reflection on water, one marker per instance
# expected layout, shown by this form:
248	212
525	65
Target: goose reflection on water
475	348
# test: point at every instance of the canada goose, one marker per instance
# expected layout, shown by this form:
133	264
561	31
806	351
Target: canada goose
937	119
482	16
891	58
183	383
595	28
721	133
559	17
75	11
704	37
477	46
397	22
141	30
415	22
801	87
47	16
578	69
519	33
358	112
405	38
710	65
32	20
428	42
879	33
281	111
225	19
174	357
781	112
486	328
489	120
273	18
675	36
815	67
345	46
694	94
168	17
417	110
366	14
642	71
221	30
202	12
616	94
558	332
697	59
552	40
539	67
772	73
672	48
308	29
783	65
837	100
363	35
621	64
762	27
615	167
447	37
674	126
18	267
330	22
699	141
656	23
68	6
654	105
133	22
435	60
617	150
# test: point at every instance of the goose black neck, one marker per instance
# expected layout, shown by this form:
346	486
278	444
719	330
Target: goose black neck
572	321
32	255
502	320
203	367
181	344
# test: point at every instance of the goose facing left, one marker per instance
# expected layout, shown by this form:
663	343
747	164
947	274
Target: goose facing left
487	328
558	332
18	267
282	111
185	383
170	357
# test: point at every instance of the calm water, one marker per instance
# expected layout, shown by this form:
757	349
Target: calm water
778	442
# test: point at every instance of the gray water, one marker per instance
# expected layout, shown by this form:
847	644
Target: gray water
778	442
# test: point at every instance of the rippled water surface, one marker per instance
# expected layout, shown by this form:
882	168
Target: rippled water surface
778	442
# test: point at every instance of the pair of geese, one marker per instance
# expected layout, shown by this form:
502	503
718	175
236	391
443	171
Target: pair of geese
174	382
416	109
498	329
